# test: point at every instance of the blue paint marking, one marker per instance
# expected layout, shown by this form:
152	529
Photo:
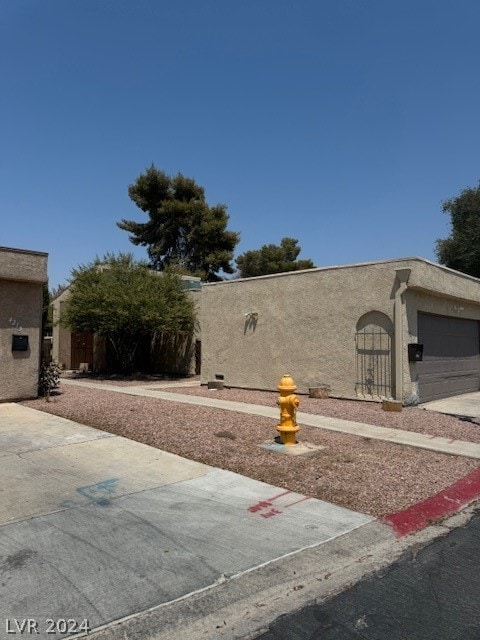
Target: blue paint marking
68	504
98	493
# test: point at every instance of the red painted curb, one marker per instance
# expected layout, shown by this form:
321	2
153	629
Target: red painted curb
442	504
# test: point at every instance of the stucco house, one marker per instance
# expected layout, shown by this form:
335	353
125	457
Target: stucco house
72	350
22	274
406	329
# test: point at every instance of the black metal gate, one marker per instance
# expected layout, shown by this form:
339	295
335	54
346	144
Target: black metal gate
373	362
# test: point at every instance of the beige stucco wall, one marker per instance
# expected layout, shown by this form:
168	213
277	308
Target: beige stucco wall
62	337
306	326
21	265
307	322
21	276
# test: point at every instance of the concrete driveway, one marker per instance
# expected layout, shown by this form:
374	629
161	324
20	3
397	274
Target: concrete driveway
467	405
97	528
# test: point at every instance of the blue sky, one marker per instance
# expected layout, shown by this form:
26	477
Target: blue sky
343	123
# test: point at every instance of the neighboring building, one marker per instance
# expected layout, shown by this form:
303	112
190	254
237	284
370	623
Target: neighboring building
71	350
22	275
349	327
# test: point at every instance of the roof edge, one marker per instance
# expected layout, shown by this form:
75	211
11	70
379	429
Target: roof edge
347	266
29	251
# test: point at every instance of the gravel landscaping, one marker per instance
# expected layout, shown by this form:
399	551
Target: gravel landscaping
409	419
370	476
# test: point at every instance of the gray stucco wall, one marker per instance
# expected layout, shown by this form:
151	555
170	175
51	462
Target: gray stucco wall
21	276
307	322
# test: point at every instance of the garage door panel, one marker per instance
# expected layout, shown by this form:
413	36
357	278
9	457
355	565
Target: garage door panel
445	366
451	356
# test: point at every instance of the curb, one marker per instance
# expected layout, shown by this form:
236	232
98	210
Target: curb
442	504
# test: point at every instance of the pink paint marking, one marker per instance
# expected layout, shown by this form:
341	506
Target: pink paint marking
296	502
285	493
269	514
441	504
265	504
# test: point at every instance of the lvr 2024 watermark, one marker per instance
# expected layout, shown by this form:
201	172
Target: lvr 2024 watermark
49	626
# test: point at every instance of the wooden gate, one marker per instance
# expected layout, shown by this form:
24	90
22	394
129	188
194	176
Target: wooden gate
82	349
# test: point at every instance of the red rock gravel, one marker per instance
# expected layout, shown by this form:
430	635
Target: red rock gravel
409	419
366	475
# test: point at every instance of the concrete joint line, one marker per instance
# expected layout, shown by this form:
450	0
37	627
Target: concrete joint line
114	629
240	607
28	457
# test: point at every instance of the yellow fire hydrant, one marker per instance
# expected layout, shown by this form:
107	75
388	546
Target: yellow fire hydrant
288	403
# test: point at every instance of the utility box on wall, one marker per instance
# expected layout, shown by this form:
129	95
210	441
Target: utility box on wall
19	342
415	352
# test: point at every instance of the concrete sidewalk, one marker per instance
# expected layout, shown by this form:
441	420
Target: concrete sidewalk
100	528
466	405
144	544
398	436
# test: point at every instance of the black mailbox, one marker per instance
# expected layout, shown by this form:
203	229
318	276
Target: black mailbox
415	352
19	343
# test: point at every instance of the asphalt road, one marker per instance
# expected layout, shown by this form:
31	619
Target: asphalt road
431	593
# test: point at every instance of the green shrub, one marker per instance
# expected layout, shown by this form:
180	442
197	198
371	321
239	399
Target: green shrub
49	379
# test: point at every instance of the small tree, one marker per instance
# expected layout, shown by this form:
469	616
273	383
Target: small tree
271	258
182	229
124	301
461	250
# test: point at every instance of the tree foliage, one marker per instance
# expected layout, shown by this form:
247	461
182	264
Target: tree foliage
124	301
461	250
182	229
57	291
272	258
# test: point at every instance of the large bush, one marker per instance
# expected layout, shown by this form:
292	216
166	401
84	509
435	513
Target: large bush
124	301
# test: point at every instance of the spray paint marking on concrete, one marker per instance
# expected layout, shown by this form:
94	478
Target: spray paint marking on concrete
98	493
264	508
